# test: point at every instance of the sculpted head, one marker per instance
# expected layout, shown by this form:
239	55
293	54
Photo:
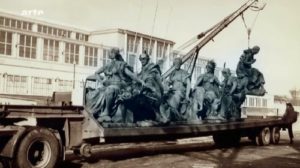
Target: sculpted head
114	54
210	67
177	63
255	49
226	72
144	58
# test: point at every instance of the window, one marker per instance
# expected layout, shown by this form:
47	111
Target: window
51	48
265	103
80	36
90	58
64	85
42	86
1	21
16	84
258	102
50	29
19	24
54	31
131	60
5	42
146	46
251	101
105	59
13	23
27	48
24	26
133	44
40	28
86	38
71	53
197	71
161	49
44	29
7	22
29	26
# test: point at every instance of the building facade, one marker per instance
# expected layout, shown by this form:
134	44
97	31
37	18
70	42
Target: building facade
38	58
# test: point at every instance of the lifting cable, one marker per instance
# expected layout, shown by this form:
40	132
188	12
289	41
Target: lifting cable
249	29
153	25
167	28
138	22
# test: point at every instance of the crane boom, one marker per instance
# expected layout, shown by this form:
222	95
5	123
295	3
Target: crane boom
215	30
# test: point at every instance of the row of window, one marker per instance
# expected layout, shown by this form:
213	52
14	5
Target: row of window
54	31
16	84
28	46
17	24
133	44
61	32
23	25
256	102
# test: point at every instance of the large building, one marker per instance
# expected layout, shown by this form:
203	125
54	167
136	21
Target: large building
38	57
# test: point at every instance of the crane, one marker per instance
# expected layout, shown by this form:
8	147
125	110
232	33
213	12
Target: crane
209	34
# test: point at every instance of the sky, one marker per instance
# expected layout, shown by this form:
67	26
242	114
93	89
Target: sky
276	29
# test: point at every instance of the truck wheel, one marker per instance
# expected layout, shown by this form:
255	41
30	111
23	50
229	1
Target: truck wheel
275	135
264	137
38	149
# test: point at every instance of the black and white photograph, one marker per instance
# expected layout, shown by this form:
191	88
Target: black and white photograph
149	83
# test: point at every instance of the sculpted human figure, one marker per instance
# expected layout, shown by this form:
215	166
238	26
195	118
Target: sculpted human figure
179	85
250	78
206	90
152	91
228	100
118	76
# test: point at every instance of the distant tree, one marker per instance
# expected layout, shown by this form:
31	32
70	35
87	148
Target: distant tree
295	97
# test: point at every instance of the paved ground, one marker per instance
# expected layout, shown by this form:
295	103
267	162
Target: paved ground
200	155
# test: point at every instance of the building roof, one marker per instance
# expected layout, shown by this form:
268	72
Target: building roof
123	31
64	26
42	22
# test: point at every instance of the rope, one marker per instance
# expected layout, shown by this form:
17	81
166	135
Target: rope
154	19
139	20
249	30
167	27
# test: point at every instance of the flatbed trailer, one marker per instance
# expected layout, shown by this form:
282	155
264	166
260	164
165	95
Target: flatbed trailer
58	129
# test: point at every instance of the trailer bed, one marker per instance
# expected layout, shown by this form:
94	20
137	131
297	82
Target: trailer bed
192	129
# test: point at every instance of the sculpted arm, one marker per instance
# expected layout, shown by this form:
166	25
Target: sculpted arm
188	87
133	76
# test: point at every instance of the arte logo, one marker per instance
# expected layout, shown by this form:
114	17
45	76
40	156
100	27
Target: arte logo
32	12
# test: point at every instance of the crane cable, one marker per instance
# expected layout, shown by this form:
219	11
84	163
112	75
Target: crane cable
154	19
139	19
167	28
249	29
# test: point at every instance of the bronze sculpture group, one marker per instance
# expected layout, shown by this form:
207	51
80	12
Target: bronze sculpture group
144	99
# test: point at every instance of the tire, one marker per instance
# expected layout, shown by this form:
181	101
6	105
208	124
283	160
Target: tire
264	137
275	135
39	149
